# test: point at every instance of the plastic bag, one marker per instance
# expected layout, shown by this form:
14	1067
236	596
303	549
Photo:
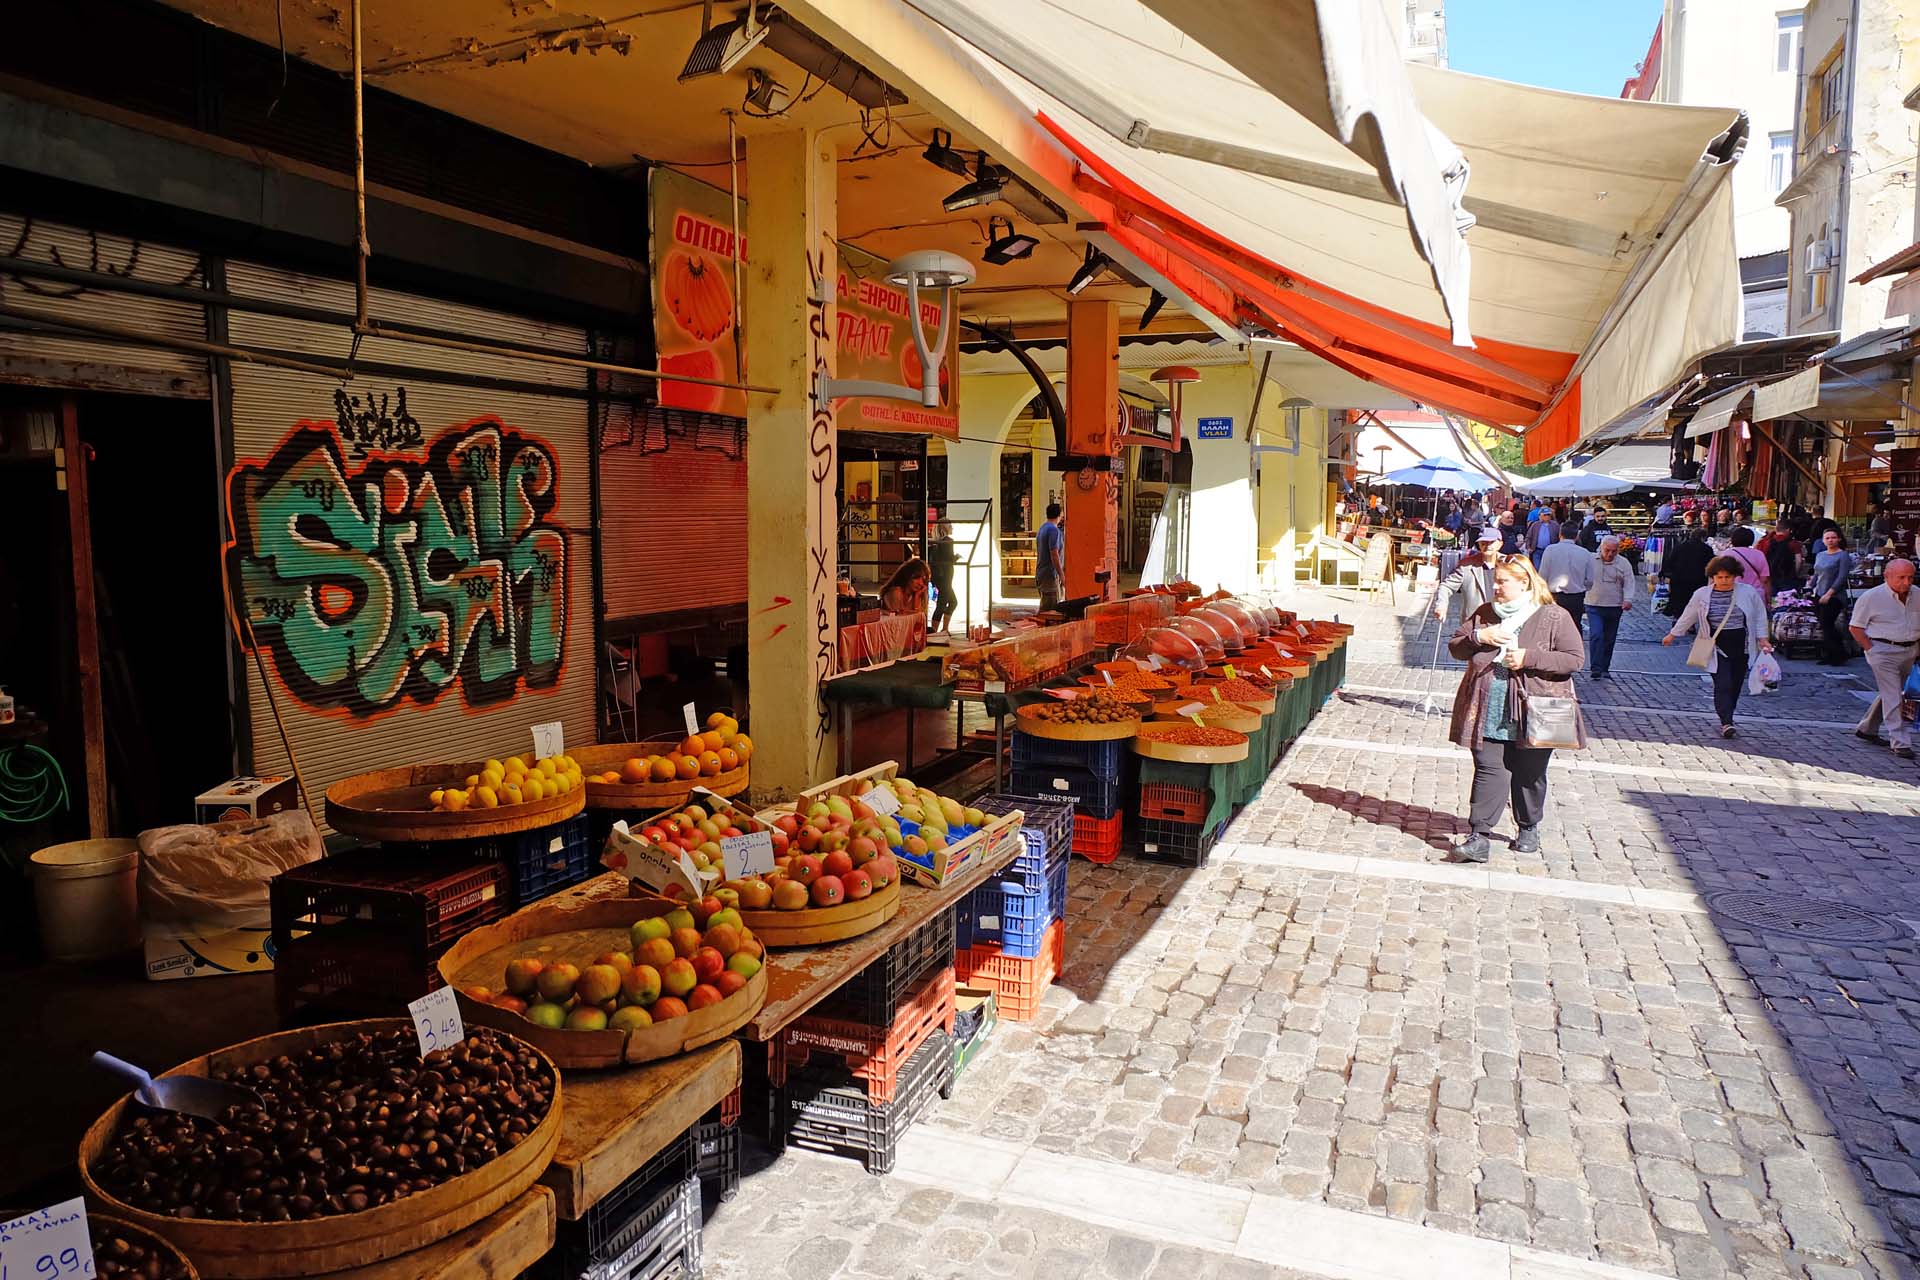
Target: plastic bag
215	877
1764	676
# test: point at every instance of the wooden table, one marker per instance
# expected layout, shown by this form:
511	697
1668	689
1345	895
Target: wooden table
502	1245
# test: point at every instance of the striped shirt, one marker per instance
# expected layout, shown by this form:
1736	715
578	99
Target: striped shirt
1719	605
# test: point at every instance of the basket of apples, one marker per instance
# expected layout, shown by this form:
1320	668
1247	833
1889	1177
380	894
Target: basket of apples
834	876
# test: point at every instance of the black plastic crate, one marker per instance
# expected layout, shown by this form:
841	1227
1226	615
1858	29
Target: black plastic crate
717	1148
640	1230
1103	759
1052	819
875	994
1186	844
538	862
351	971
1092	794
423	900
824	1108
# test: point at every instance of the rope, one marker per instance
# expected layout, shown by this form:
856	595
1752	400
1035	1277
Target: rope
30	795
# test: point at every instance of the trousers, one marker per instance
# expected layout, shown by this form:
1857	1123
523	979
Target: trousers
1889	665
1730	673
1506	772
1574	602
1601	635
1833	632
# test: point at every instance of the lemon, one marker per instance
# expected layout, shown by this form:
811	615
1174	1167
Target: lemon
493	765
434	798
510	794
484	797
456	801
492	777
532	788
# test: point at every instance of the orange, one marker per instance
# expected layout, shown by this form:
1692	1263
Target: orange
710	763
686	767
712	740
662	768
634	770
693	746
729	759
743	747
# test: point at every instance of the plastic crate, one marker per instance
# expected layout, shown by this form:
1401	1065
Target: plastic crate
1097	839
1003	914
1101	758
871	1054
1050	819
875	994
821	1110
1173	803
1090	794
538	862
1017	983
716	1143
424	900
641	1229
1184	843
351	971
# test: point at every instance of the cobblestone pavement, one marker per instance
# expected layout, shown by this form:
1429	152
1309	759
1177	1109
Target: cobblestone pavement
1563	1056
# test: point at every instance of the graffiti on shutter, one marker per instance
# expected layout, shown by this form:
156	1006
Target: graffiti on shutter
378	563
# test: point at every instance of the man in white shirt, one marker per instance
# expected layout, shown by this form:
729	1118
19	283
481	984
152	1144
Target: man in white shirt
1886	625
1568	568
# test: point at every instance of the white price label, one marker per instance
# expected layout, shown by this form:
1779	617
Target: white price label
436	1020
1263	671
549	740
50	1244
693	719
989	922
882	801
748	855
1155	662
1109	676
1301	629
1191	709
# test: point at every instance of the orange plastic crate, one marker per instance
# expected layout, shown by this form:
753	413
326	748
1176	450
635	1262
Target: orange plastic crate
872	1054
1097	839
1017	984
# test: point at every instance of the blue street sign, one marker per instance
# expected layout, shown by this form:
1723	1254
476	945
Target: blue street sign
1216	428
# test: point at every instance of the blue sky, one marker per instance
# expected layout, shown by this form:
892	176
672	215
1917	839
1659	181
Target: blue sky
1575	45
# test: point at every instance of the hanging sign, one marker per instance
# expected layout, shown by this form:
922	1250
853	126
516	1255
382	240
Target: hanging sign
695	315
875	331
1216	429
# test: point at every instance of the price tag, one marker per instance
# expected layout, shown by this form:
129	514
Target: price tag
1216	693
1109	676
1139	665
1263	671
882	801
50	1244
748	855
989	922
1064	695
1230	672
549	740
436	1020
693	719
1156	660
1301	628
1191	709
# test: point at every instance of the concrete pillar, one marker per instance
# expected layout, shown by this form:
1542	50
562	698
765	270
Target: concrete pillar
1091	499
792	464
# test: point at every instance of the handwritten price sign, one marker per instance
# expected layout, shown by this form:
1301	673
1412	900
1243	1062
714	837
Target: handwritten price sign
436	1020
53	1244
748	855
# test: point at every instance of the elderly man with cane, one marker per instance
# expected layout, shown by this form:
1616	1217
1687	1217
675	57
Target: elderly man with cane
1886	624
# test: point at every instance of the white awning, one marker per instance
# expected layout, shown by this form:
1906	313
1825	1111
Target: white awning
1787	395
1639	463
1714	414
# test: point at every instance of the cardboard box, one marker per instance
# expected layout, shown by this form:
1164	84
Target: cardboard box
978	1008
242	798
936	865
207	953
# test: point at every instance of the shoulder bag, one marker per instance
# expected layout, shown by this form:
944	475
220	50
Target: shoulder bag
1700	652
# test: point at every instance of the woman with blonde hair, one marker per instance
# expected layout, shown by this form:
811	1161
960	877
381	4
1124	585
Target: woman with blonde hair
1518	646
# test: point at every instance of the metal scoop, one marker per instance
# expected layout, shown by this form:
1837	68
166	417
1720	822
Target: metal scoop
189	1095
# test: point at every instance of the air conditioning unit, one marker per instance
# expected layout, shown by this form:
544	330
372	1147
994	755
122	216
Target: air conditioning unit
1820	256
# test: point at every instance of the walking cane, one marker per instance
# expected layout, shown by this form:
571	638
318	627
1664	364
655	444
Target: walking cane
1433	663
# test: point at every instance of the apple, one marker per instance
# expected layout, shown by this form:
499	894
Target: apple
806	869
704	996
808	840
780	844
724	938
631	1018
651	927
551	1016
703	910
586	1018
618	959
729	896
743	964
598	983
680	918
861	850
787	824
678	978
556	981
827	891
686	941
837	863
729	916
658	952
668	1007
512	1004
729	982
790	895
708	963
523	976
884	870
857	884
756	895
641	985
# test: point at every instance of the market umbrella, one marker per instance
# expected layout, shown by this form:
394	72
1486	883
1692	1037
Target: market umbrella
1575	483
1441	473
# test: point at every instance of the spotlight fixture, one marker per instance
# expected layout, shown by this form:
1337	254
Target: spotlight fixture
765	95
1006	244
1157	301
940	152
720	49
1088	271
985	188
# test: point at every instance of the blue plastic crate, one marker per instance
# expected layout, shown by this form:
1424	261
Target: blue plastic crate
1051	820
1007	915
548	859
1103	758
1089	793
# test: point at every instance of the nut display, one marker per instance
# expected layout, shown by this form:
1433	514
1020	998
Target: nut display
338	1128
118	1252
1096	708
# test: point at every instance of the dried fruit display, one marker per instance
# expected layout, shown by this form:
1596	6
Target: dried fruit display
1235	689
119	1250
339	1128
1094	708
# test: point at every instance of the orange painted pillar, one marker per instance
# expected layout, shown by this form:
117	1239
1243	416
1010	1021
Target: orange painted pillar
1090	497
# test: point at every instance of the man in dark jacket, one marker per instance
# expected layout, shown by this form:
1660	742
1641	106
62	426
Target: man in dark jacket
1783	558
1685	569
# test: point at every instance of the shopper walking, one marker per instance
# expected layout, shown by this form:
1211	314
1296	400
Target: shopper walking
1610	595
1594	529
1685	568
1050	548
1541	534
1886	623
1754	570
1568	569
940	559
1783	558
1830	569
1510	533
1732	614
1518	647
1471	579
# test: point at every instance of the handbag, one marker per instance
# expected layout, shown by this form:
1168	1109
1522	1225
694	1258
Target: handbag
1552	721
1700	652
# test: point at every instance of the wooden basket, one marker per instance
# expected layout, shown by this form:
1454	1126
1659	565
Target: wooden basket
648	795
844	785
392	805
126	1227
254	1250
1147	744
1248	723
577	932
1028	723
814	925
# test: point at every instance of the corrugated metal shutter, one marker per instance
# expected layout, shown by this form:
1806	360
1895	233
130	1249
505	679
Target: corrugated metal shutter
398	532
85	362
673	502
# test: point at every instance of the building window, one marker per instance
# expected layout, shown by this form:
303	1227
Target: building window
1779	161
1820	281
1786	42
1806	259
1832	86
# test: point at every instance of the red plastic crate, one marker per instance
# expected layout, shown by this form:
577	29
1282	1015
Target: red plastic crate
1017	984
1097	839
873	1054
426	900
1171	802
730	1107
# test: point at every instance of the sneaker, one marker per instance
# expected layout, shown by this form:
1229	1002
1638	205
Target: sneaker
1473	849
1726	731
1874	738
1528	841
1905	753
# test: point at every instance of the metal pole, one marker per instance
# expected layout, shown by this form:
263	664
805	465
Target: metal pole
361	247
739	296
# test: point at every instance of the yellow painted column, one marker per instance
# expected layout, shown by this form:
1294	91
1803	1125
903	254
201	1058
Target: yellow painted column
792	467
1091	499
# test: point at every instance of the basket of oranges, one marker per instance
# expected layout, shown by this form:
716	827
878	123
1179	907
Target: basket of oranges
662	772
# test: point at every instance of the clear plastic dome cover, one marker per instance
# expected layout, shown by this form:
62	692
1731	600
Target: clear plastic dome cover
1173	648
1248	627
1204	634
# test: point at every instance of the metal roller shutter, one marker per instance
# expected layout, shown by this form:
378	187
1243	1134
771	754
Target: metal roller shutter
100	363
414	556
673	501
